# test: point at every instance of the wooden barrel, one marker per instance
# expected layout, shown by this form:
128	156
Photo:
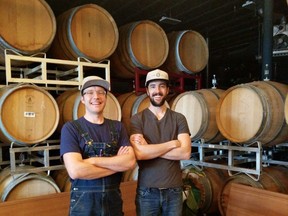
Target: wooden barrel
87	31
27	27
199	108
71	107
286	108
123	97
131	103
131	175
127	102
29	114
142	44
25	185
272	178
202	188
62	179
253	112
188	52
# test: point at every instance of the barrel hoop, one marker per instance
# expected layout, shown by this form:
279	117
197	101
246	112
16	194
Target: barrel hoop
130	50
205	117
69	35
63	39
136	104
19	180
76	105
179	63
218	132
266	115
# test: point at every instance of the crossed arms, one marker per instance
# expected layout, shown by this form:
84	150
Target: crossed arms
98	167
179	149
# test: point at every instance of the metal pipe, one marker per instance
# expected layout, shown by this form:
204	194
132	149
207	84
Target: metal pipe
267	40
207	66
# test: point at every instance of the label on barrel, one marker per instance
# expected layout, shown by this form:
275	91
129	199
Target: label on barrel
29	114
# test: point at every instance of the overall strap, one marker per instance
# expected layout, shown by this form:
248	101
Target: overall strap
113	132
85	135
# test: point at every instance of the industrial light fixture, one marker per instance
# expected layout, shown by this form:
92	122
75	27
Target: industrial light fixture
249	5
169	20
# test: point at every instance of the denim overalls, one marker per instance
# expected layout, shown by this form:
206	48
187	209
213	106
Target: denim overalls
97	197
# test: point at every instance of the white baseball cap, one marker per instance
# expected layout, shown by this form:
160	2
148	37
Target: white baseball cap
156	75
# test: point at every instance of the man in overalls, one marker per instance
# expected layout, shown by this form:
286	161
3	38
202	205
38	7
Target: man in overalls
95	151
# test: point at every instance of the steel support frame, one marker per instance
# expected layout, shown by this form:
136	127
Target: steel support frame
44	147
76	71
231	167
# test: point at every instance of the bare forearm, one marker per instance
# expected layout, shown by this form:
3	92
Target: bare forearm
178	154
85	170
183	152
118	163
78	168
146	152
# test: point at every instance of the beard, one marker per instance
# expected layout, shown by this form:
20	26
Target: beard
157	104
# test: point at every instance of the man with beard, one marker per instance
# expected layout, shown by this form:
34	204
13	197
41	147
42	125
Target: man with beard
160	138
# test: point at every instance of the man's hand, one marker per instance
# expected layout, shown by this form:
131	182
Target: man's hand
123	150
138	139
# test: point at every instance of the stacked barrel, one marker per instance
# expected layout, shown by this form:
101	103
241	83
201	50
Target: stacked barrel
254	112
26	28
30	114
243	114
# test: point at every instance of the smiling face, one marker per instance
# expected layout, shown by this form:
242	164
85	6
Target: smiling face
157	91
94	98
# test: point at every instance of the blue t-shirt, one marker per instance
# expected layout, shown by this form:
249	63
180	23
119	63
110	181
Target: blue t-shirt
72	141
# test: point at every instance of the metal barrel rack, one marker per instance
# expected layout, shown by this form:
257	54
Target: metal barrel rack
235	156
39	153
43	71
40	72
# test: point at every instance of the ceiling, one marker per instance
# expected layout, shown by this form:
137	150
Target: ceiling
228	25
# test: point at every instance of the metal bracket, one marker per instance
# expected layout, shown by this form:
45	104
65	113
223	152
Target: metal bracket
41	74
43	159
232	165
